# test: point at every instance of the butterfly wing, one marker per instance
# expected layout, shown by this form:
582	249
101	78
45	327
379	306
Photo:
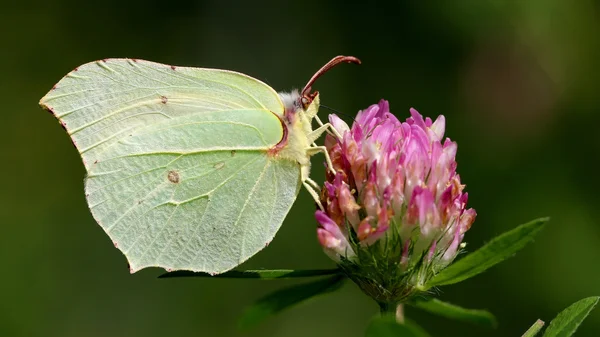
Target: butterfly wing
179	174
99	102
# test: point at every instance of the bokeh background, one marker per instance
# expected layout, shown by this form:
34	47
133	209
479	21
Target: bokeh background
517	81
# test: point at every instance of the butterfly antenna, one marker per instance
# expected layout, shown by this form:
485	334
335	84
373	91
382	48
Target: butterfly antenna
337	112
332	63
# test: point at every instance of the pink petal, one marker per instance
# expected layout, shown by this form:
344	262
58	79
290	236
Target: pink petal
339	125
438	128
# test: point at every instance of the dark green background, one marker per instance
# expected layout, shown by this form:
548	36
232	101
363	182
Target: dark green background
517	81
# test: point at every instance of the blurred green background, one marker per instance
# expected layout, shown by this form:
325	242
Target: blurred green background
517	81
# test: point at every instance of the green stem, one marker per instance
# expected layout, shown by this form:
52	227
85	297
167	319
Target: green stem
393	309
535	328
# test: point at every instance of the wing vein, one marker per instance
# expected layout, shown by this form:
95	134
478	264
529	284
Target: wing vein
200	223
194	80
160	231
252	191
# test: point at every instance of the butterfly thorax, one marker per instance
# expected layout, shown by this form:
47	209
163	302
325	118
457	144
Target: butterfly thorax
298	123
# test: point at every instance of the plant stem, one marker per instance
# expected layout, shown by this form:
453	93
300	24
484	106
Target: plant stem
400	313
535	328
393	309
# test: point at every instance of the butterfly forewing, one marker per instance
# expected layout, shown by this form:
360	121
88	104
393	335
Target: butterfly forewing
101	102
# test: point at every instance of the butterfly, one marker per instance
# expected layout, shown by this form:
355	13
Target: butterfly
188	168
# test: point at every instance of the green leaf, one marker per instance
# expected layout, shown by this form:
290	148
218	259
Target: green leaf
416	329
566	323
534	329
386	326
476	316
257	274
287	297
497	250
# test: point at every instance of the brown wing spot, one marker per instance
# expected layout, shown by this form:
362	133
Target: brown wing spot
163	99
173	177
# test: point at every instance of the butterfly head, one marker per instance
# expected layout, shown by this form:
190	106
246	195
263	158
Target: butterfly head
306	102
300	107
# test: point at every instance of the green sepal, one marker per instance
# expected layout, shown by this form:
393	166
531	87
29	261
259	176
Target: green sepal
263	274
497	250
287	297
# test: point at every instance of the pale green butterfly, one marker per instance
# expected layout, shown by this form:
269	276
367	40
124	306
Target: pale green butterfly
188	168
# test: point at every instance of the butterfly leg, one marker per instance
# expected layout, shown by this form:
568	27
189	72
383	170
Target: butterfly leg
321	149
318	120
331	130
327	127
321	124
313	183
314	194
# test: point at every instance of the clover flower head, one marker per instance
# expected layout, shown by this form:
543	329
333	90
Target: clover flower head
395	210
